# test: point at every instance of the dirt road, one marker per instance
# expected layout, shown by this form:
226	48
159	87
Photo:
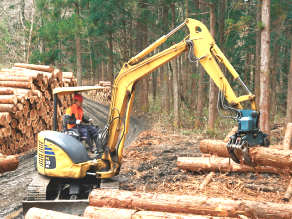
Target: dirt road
13	185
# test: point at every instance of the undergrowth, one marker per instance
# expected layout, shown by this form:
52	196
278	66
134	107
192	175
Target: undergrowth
188	119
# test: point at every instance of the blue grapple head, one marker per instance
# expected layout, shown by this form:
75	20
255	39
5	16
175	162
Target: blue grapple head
247	135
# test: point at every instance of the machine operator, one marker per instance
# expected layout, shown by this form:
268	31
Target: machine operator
74	118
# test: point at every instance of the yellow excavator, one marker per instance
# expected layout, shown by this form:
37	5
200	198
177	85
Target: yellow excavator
61	159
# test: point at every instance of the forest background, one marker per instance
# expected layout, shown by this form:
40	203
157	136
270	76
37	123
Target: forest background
94	38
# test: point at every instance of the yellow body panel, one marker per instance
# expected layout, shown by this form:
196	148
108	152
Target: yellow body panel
54	162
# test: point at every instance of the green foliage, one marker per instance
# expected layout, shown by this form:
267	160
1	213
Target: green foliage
260	25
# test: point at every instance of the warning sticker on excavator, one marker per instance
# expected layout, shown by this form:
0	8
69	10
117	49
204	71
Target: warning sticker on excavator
50	159
50	162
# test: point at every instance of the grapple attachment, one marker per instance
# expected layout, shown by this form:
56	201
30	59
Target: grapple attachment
247	135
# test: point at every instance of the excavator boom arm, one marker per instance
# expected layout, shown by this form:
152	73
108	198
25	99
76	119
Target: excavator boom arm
203	48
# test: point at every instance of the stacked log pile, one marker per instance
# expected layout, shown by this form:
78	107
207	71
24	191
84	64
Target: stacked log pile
102	95
26	104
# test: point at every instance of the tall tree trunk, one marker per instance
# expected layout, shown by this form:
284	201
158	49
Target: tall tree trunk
90	60
42	46
78	46
265	69
125	46
139	47
175	76
289	95
22	20
111	56
246	74
221	32
221	24
213	87
185	67
30	32
102	70
274	85
258	57
154	85
193	89
200	82
145	106
161	70
131	43
166	106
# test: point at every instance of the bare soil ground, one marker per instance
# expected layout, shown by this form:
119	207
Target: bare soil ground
149	165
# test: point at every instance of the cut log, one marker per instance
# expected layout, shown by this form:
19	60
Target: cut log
287	138
260	155
8	130
219	164
25	109
35	67
28	92
32	114
110	213
21	98
7	91
2	118
18	136
37	93
188	204
4	132
37	213
12	99
8	163
21	72
6	117
18	84
7	70
68	75
17	115
13	133
288	193
58	74
15	78
11	108
207	180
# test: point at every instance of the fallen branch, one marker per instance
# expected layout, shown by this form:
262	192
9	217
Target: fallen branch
207	180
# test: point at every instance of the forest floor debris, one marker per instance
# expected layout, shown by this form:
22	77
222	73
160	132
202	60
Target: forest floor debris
150	165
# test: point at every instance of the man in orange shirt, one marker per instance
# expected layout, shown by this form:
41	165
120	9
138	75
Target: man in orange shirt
74	118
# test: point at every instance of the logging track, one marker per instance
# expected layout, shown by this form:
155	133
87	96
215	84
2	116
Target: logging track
13	185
